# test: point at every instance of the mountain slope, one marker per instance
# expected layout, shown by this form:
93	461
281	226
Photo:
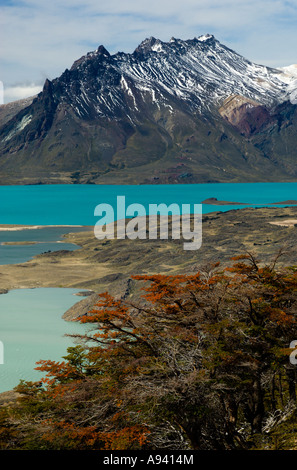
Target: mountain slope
9	110
182	111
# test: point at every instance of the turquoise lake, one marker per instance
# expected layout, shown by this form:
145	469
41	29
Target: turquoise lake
45	239
75	204
32	328
31	324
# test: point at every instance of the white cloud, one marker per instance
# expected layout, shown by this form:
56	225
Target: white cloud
19	92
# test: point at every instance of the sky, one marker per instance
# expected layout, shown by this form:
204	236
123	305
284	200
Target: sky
39	39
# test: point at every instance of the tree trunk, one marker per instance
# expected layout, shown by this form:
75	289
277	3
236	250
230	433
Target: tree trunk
291	375
255	409
258	407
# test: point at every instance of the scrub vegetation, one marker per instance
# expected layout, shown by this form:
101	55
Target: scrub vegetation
202	361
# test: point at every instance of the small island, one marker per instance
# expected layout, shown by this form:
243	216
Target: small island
214	201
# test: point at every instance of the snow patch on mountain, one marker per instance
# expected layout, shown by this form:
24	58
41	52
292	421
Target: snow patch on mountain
289	76
18	128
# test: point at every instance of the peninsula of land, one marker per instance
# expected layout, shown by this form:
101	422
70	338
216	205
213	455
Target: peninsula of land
108	265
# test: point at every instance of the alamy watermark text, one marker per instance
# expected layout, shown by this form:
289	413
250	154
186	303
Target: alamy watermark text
135	222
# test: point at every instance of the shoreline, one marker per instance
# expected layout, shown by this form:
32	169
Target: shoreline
108	264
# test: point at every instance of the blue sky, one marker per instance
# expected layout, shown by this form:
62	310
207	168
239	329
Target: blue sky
40	38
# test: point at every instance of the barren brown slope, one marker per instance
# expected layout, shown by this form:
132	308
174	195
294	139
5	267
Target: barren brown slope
109	264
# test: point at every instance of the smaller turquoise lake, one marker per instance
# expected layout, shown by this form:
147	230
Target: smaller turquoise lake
32	328
46	239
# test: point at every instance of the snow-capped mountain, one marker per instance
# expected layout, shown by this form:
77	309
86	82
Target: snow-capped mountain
183	110
201	72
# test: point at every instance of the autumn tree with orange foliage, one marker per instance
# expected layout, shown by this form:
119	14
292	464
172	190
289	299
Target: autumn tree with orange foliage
202	362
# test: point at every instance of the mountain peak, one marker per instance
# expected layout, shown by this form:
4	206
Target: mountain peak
149	44
205	37
101	50
152	44
47	87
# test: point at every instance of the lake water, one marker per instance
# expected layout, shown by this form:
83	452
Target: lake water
75	204
45	239
31	324
32	328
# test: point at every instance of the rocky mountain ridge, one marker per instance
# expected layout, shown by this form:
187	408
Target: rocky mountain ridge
180	111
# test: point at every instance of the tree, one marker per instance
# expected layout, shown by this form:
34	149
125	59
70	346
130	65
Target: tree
201	362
